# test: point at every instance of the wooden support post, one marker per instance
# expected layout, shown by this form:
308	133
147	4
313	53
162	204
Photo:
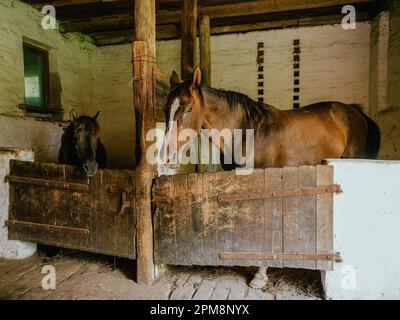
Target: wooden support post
205	50
205	66
144	101
189	36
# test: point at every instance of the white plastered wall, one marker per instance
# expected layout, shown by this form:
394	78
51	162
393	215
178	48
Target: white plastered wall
366	223
10	249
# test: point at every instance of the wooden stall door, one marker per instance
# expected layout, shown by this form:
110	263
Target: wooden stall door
278	217
56	205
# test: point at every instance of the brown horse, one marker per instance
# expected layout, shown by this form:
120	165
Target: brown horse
81	145
304	136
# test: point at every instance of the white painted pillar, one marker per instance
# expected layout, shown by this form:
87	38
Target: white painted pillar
366	230
10	249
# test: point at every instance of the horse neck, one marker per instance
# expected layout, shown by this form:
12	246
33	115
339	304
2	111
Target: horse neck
218	113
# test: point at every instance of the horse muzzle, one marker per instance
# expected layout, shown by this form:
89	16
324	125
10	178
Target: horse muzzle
171	161
90	169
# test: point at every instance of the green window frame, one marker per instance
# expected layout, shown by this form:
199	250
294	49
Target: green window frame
36	78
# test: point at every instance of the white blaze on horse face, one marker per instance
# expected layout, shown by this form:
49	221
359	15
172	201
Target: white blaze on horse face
174	108
168	140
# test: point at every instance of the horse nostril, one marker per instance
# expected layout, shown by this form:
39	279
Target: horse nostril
85	167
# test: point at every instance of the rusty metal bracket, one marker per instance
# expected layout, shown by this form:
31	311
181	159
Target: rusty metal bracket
116	189
279	194
48	183
49	227
125	204
280	256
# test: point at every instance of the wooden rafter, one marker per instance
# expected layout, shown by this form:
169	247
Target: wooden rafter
166	32
112	21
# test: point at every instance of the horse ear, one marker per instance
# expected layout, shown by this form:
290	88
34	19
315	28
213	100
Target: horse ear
96	115
73	115
174	79
196	81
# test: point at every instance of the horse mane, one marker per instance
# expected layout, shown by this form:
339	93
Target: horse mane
254	111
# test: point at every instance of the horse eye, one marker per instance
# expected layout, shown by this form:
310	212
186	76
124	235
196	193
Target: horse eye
189	110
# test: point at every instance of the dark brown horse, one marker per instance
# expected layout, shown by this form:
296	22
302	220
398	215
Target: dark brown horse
304	136
81	145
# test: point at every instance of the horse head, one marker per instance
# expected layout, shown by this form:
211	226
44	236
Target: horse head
83	143
184	115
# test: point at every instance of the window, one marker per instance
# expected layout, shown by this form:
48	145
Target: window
36	77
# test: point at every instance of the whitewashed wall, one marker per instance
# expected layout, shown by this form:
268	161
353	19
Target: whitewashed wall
334	63
112	94
42	137
10	249
70	54
69	61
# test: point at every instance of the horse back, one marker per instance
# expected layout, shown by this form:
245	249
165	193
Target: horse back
318	131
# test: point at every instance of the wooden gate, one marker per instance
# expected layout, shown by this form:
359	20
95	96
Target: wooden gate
278	217
56	205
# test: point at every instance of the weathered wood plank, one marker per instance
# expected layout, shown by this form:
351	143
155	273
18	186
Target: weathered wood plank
67	218
307	215
47	206
290	216
210	219
253	229
115	230
197	222
273	228
82	208
164	245
224	212
324	216
251	225
183	243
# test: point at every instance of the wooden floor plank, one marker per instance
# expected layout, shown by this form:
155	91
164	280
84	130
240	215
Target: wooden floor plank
10	277
28	281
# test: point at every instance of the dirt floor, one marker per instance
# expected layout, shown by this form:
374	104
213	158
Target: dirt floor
89	276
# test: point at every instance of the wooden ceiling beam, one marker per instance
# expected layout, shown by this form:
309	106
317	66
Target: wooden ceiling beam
103	20
162	4
125	21
224	9
167	32
248	8
65	3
